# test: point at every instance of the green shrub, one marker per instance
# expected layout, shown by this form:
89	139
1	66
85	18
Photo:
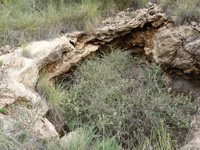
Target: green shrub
123	97
3	110
1	63
27	104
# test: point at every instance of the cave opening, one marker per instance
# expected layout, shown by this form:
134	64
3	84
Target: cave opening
133	43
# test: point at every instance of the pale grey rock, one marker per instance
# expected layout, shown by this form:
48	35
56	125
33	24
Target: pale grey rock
19	76
71	138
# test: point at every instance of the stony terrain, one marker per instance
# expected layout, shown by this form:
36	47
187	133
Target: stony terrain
145	31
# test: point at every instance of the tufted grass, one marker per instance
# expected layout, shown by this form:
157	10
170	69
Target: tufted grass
26	20
185	10
52	91
84	139
24	138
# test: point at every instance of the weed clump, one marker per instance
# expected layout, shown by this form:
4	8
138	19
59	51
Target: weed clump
123	98
1	63
3	110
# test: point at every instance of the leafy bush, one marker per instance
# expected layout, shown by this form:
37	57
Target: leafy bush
123	97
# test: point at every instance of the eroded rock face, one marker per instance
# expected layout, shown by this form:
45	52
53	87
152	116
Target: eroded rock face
146	31
123	25
178	49
19	76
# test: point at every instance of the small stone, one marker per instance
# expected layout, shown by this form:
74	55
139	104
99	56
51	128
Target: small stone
69	138
193	23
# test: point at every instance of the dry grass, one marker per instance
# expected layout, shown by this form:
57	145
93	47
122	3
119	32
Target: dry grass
26	20
185	10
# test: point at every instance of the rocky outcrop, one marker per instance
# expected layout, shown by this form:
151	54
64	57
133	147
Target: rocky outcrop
146	31
178	49
19	76
116	31
20	68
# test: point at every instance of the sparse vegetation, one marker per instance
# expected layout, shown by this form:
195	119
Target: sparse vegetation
52	91
185	10
86	139
26	20
26	53
27	104
55	96
24	138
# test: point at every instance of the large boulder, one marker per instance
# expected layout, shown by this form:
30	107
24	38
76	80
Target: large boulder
19	76
177	49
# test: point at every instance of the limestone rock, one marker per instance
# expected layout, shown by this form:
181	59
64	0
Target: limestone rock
42	127
19	76
70	138
177	48
45	130
194	143
124	23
